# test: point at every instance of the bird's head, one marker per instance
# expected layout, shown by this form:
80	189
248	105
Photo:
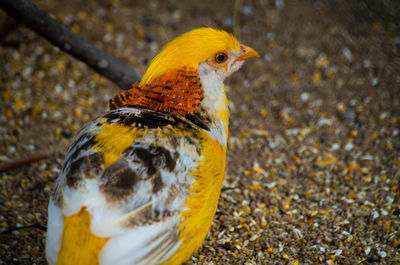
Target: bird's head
220	50
187	73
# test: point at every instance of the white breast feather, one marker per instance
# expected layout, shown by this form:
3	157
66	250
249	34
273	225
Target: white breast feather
214	100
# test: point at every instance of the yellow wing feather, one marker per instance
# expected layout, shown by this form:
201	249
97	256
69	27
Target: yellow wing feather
79	246
114	139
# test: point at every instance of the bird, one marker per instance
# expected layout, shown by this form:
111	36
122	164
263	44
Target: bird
140	184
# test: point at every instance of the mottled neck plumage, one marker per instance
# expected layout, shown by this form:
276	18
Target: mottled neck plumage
177	92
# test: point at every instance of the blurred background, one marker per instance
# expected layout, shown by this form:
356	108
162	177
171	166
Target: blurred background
313	169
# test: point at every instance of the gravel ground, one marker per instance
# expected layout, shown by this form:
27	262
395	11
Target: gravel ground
313	173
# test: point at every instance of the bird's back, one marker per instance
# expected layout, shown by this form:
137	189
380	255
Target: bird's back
136	186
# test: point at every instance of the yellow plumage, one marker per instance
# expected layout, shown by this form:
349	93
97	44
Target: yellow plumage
141	183
113	140
79	246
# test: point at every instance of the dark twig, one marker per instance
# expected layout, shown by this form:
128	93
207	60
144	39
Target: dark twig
71	43
7	24
22	162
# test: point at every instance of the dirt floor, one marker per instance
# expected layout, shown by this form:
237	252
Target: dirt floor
313	174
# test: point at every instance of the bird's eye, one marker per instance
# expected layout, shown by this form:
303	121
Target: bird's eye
221	57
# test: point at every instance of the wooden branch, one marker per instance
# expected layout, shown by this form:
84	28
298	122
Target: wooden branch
22	162
80	48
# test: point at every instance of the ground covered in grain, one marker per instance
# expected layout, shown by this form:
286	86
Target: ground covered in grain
313	169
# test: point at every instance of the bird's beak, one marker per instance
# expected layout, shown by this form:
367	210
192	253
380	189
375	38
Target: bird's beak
247	53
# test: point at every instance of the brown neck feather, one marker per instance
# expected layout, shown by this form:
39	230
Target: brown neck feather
178	92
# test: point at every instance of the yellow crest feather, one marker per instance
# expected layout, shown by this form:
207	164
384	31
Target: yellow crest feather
190	49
